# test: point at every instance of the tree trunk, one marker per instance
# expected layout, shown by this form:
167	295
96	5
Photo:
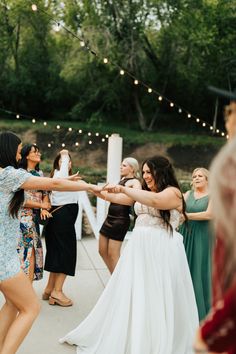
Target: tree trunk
141	118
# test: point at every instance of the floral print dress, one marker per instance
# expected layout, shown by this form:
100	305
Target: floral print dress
29	237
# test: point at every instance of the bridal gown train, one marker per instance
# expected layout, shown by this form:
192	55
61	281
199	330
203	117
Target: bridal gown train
148	305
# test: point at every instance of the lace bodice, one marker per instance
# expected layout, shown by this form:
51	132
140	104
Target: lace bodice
149	216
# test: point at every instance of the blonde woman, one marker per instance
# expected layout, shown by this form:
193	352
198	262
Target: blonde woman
198	239
117	223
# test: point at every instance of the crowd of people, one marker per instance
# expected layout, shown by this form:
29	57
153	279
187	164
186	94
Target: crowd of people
177	270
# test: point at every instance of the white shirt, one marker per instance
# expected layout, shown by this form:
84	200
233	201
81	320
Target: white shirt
62	198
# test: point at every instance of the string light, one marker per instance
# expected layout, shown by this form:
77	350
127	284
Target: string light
63	145
49	145
76	144
105	60
80	131
189	115
90	142
33	121
58	127
89	134
217	130
17	116
222	134
103	140
34	7
97	134
45	124
70	129
211	128
107	136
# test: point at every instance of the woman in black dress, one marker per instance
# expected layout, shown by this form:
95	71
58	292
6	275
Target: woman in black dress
60	235
117	223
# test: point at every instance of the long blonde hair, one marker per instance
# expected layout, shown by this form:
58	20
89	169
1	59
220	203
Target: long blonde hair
223	196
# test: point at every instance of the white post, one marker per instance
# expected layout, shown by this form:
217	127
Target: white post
114	157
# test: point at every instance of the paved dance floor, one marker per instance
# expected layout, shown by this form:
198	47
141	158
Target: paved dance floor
84	289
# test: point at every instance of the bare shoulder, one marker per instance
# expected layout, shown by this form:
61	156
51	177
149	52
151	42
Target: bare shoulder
133	183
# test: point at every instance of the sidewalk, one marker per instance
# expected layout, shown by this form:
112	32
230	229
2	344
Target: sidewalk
84	289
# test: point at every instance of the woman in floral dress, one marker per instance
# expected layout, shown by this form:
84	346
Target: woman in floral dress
30	246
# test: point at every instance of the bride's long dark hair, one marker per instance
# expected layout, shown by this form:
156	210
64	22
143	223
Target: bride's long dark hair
9	143
164	176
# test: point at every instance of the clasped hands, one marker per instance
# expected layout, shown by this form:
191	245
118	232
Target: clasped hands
113	188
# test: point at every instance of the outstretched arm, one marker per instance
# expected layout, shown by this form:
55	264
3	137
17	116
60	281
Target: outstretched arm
58	184
169	198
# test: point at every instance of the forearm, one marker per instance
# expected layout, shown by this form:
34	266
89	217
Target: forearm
201	216
141	196
115	198
57	184
32	204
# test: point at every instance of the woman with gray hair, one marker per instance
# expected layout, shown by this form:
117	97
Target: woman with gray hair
117	223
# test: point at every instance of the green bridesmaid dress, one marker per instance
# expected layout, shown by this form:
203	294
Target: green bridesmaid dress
198	242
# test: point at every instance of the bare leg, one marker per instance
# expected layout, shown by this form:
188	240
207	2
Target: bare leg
103	249
32	265
19	292
7	315
57	292
51	283
113	253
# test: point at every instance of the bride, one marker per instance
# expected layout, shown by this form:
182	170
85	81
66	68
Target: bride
148	305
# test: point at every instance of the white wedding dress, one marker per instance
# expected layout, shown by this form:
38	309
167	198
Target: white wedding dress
148	305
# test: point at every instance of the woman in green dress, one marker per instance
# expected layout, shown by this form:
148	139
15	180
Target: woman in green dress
198	239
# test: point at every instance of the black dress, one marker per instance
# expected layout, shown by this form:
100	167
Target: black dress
118	220
60	238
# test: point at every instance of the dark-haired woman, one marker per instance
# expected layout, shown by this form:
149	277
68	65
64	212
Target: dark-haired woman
21	306
30	248
148	305
60	235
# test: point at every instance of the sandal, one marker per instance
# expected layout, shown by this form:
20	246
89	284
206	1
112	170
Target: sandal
55	301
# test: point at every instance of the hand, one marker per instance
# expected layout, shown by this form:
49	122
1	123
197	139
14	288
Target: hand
46	205
111	188
44	214
64	152
75	177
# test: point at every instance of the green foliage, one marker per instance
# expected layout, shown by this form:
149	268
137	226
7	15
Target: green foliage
178	47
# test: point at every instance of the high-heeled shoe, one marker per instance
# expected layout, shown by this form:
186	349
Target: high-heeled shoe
45	296
55	301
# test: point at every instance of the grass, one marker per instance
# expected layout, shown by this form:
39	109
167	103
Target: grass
131	136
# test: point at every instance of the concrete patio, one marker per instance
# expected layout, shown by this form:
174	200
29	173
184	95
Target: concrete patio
84	289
